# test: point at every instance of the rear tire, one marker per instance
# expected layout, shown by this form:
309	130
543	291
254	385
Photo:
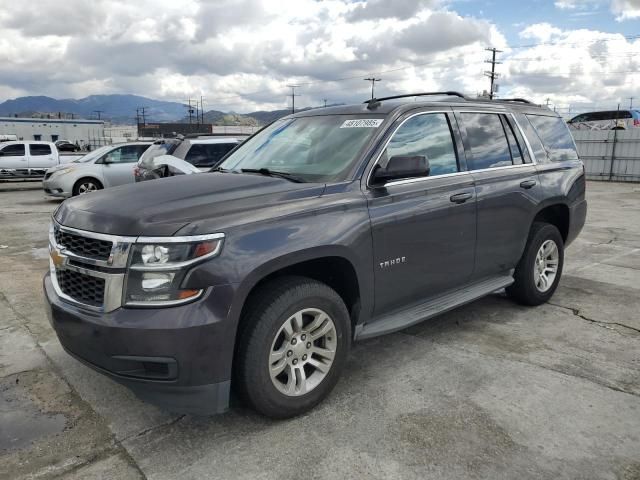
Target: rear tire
292	346
538	273
86	185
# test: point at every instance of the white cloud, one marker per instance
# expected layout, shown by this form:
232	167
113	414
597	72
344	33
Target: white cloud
241	54
626	9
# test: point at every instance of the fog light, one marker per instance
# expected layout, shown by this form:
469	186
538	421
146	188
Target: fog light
156	281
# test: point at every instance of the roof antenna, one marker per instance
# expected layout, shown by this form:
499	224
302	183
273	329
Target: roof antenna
373	104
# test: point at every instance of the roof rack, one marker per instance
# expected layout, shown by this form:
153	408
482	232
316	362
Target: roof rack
374	102
520	100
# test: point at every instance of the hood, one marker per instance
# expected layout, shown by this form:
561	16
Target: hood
162	207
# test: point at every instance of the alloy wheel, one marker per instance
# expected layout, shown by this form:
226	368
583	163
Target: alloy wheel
546	265
302	352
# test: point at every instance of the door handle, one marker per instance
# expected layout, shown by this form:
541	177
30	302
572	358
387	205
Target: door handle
527	184
460	197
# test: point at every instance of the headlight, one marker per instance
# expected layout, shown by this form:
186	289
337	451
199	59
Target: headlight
63	170
158	266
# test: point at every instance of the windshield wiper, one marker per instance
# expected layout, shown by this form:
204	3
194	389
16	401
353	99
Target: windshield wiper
219	169
273	173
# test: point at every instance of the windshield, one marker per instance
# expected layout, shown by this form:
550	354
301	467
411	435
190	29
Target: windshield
162	147
315	149
91	156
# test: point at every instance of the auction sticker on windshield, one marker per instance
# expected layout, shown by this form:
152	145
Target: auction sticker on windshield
362	123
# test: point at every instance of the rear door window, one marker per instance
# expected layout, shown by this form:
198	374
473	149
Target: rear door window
39	149
487	141
13	150
205	155
555	137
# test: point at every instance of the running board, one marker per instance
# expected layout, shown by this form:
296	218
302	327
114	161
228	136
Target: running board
401	319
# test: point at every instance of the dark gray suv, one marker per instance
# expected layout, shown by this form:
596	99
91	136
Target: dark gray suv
326	227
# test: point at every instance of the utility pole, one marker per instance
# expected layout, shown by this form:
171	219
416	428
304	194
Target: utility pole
548	102
202	108
98	112
190	110
631	102
492	74
373	81
142	114
325	102
293	97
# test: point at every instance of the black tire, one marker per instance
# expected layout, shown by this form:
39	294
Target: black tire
265	314
83	181
524	289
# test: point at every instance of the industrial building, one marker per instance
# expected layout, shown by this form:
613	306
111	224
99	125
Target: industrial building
51	130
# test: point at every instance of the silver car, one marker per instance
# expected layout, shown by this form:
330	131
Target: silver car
105	167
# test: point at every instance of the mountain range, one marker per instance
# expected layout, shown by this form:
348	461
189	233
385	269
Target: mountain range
121	109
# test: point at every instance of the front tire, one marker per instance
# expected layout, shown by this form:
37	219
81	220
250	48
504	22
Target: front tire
538	273
86	185
293	346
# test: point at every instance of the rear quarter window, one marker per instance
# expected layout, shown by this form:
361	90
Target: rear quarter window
555	137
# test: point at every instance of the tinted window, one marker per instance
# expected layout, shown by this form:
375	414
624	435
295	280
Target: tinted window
208	154
40	149
536	145
126	154
426	135
13	150
516	152
555	136
487	141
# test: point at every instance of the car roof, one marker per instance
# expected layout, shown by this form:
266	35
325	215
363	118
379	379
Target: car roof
386	107
23	142
212	140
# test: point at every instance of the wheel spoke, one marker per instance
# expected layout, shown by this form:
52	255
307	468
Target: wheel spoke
322	367
278	367
323	353
287	329
326	327
291	380
297	322
301	380
316	322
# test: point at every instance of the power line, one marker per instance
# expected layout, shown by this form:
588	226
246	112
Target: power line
373	81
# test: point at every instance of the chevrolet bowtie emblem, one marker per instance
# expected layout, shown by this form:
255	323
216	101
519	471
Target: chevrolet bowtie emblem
56	258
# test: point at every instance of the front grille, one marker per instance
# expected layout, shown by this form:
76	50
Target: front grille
84	246
82	288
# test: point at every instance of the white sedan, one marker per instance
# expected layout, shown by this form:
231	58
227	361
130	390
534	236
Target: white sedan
105	167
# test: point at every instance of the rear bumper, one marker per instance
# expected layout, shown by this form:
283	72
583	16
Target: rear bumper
178	358
577	219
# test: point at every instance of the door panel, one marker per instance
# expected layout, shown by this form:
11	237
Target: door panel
41	157
119	165
508	190
424	242
13	157
507	201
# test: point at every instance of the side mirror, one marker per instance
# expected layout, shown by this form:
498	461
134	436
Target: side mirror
402	167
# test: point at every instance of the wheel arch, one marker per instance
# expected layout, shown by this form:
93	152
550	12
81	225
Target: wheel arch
557	214
86	177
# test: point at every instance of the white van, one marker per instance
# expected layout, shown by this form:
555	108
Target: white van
27	159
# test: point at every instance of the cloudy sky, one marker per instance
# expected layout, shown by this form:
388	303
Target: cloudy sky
242	54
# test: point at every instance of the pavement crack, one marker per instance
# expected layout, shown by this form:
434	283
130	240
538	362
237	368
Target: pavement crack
155	427
600	323
531	364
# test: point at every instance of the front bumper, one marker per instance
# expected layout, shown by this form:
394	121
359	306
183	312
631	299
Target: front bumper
178	358
55	188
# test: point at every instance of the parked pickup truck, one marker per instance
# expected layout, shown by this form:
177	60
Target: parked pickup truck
326	227
27	159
